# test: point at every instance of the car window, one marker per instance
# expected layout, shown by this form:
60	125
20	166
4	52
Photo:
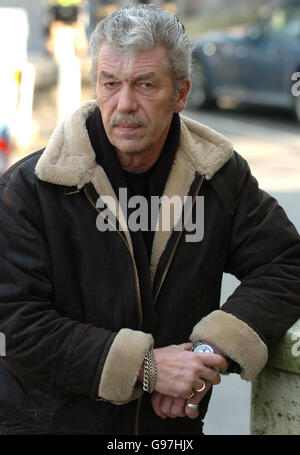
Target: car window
292	28
283	24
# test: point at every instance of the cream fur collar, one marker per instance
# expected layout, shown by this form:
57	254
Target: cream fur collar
70	160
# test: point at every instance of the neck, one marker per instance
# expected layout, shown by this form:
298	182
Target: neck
137	162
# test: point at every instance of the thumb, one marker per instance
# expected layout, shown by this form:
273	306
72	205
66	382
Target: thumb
185	346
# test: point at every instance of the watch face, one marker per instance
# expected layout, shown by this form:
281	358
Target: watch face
200	347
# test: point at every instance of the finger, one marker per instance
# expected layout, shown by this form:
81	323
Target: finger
200	385
156	400
185	346
210	375
214	360
190	412
166	406
205	386
207	364
178	406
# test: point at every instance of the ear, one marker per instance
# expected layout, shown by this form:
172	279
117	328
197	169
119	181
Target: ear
182	95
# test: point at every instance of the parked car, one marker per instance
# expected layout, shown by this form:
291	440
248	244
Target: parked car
257	64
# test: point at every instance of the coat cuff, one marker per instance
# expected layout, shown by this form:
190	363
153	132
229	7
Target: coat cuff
236	339
122	366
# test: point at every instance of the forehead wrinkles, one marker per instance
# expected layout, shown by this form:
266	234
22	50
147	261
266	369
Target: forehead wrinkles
143	62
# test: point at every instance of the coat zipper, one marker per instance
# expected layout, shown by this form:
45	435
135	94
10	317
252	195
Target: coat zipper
162	281
176	244
138	293
131	255
137	279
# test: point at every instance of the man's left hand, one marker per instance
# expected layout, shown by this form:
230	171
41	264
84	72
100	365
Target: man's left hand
166	406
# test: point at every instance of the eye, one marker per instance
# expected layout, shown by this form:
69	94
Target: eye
146	85
111	84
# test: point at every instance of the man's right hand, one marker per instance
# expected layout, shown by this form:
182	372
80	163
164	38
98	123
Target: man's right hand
180	371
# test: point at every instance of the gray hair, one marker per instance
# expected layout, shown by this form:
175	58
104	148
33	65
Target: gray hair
140	27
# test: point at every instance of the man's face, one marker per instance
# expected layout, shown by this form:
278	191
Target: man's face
137	100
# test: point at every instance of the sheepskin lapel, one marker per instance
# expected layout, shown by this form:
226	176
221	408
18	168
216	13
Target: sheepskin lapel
204	153
177	186
103	187
69	160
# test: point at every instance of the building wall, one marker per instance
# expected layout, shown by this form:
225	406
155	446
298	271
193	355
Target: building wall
36	15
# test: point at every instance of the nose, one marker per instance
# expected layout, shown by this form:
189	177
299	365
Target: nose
127	100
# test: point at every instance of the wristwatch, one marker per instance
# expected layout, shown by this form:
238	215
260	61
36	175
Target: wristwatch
198	346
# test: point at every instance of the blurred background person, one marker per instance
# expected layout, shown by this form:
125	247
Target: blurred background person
65	15
67	41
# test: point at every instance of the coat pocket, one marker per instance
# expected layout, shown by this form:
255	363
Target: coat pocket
21	404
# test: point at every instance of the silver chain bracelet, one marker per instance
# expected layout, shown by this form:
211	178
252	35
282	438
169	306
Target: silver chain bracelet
150	372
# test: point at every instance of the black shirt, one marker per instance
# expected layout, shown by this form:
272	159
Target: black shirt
149	183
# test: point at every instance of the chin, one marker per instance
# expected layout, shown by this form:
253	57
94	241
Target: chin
127	147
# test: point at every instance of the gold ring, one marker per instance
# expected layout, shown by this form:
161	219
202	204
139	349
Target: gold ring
202	388
191	395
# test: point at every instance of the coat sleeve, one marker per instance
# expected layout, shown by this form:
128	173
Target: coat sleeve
42	345
264	254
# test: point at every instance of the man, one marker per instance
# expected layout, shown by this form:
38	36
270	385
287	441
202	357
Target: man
64	17
100	315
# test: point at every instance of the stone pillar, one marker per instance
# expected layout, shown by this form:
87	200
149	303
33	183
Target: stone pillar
275	396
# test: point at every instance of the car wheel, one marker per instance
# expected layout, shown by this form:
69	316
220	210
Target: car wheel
199	96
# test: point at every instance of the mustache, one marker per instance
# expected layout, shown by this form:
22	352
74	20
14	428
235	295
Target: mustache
119	119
